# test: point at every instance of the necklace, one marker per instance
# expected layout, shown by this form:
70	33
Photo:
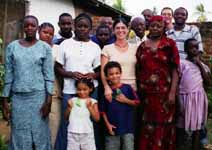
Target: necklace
121	45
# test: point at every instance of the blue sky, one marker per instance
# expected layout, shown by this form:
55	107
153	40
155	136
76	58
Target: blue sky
134	7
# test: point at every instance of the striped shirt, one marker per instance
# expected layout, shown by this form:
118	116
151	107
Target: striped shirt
189	31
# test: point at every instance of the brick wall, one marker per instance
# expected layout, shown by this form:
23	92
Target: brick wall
206	33
15	12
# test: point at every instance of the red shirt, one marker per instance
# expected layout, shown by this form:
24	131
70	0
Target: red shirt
154	67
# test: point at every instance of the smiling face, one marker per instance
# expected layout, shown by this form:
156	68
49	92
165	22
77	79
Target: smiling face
82	29
180	16
83	90
168	14
120	31
30	27
114	76
46	34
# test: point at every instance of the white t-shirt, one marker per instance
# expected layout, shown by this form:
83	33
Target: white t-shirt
55	51
78	56
79	118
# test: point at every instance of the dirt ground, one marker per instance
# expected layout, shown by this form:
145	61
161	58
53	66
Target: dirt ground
4	130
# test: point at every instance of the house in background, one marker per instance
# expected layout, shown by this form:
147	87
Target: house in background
49	10
13	11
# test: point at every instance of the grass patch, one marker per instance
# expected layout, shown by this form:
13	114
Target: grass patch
3	145
209	127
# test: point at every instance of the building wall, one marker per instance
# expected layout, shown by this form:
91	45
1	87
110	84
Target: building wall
49	10
11	14
95	16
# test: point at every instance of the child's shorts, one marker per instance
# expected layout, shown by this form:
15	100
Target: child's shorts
126	141
81	141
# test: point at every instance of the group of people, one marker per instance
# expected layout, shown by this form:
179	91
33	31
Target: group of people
129	86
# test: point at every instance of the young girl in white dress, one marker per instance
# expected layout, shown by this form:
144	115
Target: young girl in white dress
79	111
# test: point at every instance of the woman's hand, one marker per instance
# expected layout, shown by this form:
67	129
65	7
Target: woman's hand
6	109
108	93
46	108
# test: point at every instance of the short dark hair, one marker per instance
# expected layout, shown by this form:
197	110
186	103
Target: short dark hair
85	16
118	20
183	9
102	27
46	24
187	42
169	8
64	15
111	64
88	82
31	16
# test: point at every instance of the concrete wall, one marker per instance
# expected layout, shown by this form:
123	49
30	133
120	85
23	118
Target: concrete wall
49	10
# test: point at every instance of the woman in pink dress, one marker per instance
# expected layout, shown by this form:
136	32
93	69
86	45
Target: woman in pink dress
193	102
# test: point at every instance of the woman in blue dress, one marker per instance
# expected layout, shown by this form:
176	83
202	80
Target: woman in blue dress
29	82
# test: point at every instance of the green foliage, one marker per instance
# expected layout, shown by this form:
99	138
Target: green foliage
2	73
201	12
1	47
3	145
209	94
118	4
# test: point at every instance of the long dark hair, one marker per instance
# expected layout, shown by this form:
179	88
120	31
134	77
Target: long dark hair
88	82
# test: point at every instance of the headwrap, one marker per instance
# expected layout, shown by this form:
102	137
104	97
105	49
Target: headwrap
156	18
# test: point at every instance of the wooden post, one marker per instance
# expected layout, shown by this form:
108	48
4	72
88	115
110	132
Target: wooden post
4	28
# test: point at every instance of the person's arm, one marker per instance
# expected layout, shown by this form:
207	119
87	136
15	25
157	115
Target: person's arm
67	74
68	109
109	126
93	109
205	75
123	99
8	80
132	101
174	84
48	73
108	91
5	109
174	62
